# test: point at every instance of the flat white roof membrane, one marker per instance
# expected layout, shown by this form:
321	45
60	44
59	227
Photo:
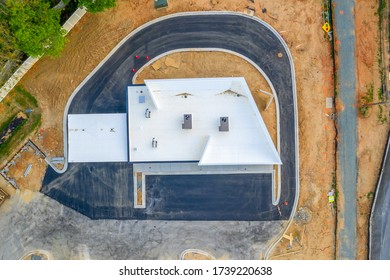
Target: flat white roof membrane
97	138
223	126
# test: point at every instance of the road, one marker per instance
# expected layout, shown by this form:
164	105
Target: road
347	128
105	90
380	215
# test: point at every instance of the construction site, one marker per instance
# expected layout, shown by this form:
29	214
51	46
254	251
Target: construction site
33	220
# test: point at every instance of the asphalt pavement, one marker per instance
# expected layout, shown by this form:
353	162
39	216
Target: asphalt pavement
380	215
105	191
105	91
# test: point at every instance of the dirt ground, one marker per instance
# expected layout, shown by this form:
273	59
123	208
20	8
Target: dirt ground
301	28
299	22
196	256
371	134
33	179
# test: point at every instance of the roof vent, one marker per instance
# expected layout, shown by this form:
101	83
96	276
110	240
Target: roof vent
187	124
141	98
224	124
147	113
154	143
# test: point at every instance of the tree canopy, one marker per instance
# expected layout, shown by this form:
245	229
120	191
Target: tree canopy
94	6
7	42
35	26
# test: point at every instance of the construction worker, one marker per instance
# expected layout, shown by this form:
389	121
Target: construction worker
331	196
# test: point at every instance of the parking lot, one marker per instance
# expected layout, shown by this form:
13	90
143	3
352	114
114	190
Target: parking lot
105	191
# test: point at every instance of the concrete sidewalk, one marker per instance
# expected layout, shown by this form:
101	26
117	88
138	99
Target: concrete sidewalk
347	124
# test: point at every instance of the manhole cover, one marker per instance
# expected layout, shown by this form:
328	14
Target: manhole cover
37	255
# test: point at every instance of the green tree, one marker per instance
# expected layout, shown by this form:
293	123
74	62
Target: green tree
7	42
36	27
95	6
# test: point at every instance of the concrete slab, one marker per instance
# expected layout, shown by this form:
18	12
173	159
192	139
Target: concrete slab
45	224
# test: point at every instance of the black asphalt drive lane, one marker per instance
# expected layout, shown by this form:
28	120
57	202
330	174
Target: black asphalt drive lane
105	91
97	190
235	197
222	197
380	219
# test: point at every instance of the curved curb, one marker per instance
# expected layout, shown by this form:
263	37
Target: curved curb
196	251
275	197
38	251
379	184
278	36
268	252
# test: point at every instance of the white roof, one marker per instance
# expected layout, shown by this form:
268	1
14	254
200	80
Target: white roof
207	99
97	138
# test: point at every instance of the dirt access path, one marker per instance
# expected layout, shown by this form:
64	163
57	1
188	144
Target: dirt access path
299	22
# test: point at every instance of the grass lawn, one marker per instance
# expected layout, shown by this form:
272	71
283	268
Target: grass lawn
19	100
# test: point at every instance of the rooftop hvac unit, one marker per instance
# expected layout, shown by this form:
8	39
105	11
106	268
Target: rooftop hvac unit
187	124
224	124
